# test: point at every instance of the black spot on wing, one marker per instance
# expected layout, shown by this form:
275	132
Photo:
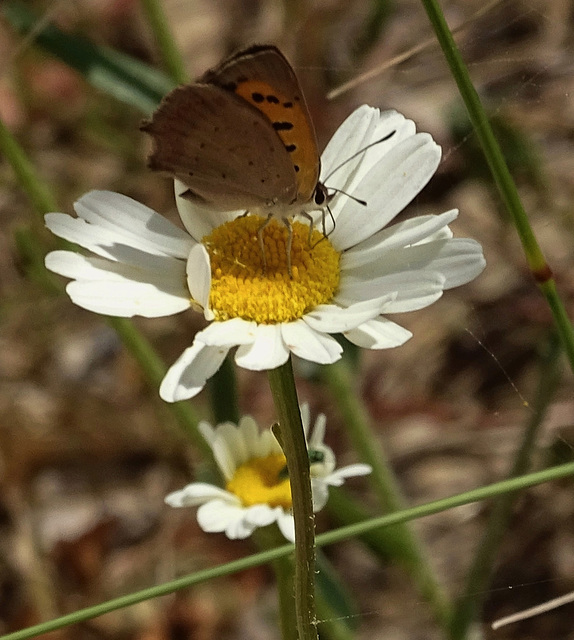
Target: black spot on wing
291	147
272	99
283	126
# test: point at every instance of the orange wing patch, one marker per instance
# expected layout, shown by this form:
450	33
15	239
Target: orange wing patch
290	122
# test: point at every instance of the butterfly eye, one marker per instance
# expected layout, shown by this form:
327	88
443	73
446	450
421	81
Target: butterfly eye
320	196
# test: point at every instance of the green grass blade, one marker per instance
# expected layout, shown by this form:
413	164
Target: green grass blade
114	73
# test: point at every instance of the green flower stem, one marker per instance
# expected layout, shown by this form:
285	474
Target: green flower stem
270	538
36	190
168	48
223	394
331	626
323	539
152	366
292	438
506	187
479	574
154	370
407	547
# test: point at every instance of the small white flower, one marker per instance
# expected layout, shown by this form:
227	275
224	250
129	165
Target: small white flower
257	489
345	283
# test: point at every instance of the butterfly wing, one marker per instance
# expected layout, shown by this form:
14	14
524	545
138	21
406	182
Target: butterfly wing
222	148
262	76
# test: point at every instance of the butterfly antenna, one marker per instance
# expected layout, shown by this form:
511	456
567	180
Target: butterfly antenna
358	153
357	200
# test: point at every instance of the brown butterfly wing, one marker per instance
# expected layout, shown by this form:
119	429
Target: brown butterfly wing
222	148
262	76
264	63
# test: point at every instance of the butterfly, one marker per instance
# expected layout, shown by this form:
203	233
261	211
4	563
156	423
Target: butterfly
241	138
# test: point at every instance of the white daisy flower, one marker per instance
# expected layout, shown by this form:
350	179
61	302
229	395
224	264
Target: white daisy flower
345	283
257	491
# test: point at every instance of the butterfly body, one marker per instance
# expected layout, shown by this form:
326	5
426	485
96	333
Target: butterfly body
241	138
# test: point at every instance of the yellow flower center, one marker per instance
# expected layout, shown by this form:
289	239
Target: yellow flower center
247	285
261	481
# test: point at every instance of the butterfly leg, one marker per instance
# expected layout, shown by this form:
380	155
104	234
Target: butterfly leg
260	238
311	225
287	223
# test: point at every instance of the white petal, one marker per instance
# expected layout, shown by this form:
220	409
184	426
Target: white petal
249	431
229	449
309	344
396	236
261	515
268	351
91	237
460	260
318	434
188	375
130	219
162	272
335	319
414	290
305	418
199	221
216	516
338	477
110	244
320	491
268	444
125	299
457	259
286	525
390	130
207	431
229	333
351	136
380	333
388	187
223	452
197	493
198	273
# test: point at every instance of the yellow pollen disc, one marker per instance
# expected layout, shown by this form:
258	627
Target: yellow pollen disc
242	288
261	481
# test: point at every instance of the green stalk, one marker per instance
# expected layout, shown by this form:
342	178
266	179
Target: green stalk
223	394
271	538
292	438
331	537
36	190
142	351
506	186
479	574
407	547
167	46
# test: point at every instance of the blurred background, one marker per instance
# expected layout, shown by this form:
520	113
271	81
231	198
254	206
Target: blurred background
87	449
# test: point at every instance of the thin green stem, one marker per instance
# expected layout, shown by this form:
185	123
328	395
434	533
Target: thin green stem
479	574
150	363
292	437
269	538
506	186
331	626
168	49
407	548
31	184
223	394
154	370
331	537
